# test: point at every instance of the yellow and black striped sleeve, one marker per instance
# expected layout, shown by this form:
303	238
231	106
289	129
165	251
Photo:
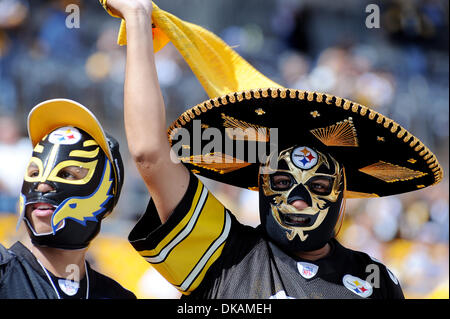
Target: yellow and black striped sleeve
184	248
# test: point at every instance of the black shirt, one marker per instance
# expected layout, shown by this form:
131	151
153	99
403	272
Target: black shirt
22	277
206	253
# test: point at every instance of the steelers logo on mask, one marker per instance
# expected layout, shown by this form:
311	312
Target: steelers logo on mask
81	180
316	179
65	136
304	157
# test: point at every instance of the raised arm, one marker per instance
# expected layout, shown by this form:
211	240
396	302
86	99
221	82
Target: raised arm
144	110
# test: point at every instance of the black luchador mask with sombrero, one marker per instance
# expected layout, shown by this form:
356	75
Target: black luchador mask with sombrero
316	179
316	136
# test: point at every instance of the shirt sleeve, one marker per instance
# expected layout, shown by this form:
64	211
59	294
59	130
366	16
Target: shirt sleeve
184	248
5	258
390	285
394	290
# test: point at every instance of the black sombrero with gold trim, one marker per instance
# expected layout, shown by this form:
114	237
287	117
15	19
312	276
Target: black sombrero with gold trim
380	157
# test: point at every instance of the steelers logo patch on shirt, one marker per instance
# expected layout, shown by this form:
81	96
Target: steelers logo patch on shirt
307	270
65	135
281	295
304	157
69	287
357	285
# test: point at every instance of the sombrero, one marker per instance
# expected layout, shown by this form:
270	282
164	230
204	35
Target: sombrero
380	157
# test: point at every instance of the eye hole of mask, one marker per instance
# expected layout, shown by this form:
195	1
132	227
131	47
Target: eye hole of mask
33	170
72	173
320	185
281	181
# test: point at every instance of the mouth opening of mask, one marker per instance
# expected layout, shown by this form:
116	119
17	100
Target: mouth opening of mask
30	227
42	206
297	219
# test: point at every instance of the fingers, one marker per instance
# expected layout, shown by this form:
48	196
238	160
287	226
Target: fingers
110	8
123	8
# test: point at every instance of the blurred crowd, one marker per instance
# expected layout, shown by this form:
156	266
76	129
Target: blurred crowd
400	69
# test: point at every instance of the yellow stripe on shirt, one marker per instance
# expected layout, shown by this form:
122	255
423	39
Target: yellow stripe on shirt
185	258
198	273
157	254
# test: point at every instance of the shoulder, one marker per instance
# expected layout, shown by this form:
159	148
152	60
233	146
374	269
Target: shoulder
199	233
104	287
5	255
243	241
8	261
198	212
5	259
383	280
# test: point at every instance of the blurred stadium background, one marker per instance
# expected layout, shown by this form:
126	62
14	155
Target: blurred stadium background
400	69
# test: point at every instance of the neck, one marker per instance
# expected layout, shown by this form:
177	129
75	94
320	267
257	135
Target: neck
314	254
62	263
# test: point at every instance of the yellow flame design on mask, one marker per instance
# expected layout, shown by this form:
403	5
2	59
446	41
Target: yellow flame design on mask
86	208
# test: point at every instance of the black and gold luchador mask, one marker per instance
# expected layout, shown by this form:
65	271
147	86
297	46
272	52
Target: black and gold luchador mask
79	201
316	179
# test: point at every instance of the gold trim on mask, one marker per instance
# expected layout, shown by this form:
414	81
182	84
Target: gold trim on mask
89	143
38	148
21	207
391	173
50	162
40	166
88	165
82	209
85	154
51	174
302	177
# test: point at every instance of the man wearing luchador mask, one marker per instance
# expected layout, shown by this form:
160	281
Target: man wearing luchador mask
327	149
73	180
301	201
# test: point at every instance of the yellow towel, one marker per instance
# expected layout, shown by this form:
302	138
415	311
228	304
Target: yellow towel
217	66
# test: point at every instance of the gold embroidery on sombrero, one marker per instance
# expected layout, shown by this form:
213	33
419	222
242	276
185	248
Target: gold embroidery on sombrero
315	114
248	131
352	194
390	127
260	111
390	172
215	161
340	134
